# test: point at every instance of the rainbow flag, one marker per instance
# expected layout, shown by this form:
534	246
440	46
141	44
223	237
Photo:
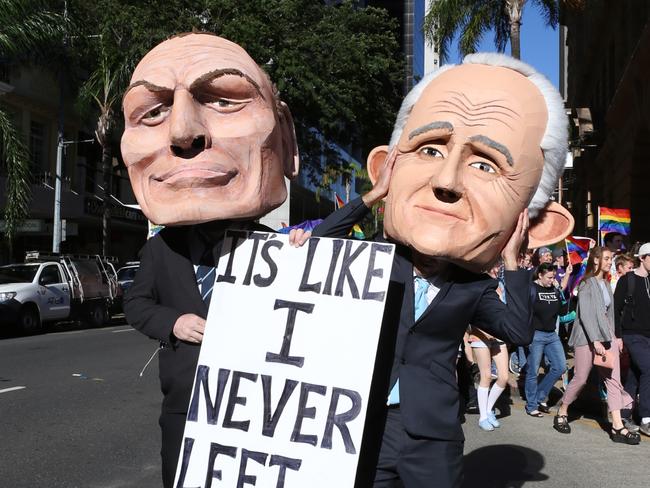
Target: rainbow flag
356	231
339	201
614	220
577	249
575	278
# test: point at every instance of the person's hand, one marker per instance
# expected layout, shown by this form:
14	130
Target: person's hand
380	188
569	269
189	328
599	348
298	237
513	247
620	345
556	283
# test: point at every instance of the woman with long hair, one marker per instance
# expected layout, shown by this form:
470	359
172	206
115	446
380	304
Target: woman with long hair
593	333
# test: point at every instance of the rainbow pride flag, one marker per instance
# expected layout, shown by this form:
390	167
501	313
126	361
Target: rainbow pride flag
356	231
577	249
614	220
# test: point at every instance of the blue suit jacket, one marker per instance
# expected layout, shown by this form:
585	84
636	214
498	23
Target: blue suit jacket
423	353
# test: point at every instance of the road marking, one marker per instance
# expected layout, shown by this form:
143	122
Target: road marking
130	329
7	390
70	332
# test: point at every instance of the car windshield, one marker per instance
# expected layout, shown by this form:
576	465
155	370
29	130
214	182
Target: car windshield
124	274
17	274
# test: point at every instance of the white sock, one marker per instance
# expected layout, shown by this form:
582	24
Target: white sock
482	393
645	420
495	393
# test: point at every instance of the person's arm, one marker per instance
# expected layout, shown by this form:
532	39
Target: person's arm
511	321
565	278
340	223
593	324
620	294
141	306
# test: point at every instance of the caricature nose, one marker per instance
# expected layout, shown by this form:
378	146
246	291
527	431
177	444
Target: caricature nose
188	135
447	183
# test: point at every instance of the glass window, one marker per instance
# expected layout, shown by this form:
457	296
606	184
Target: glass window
49	275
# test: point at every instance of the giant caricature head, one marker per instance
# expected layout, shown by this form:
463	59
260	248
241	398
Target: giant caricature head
205	136
476	144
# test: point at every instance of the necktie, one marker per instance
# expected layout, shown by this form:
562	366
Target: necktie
420	305
205	276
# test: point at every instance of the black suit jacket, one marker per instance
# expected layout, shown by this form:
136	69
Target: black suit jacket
164	289
423	353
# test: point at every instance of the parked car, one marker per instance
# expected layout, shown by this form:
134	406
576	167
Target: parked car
126	274
50	287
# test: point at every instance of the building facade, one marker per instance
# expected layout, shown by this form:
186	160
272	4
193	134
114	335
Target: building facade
32	98
605	78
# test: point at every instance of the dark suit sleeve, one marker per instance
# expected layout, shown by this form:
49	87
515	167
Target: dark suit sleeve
141	306
340	223
511	321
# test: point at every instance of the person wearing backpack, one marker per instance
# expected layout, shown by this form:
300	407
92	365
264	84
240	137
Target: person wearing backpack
632	312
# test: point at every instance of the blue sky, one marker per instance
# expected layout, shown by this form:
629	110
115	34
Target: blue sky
539	45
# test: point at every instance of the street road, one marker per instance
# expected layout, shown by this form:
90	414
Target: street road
75	414
83	418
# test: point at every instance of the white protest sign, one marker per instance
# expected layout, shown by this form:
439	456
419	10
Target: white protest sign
282	384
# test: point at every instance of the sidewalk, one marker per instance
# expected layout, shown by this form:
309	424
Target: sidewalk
528	452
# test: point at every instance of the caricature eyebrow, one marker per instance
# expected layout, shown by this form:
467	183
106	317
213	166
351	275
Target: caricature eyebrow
432	126
148	85
206	78
218	73
494	145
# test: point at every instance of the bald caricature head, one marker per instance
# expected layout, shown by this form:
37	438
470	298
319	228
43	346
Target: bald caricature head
471	153
205	138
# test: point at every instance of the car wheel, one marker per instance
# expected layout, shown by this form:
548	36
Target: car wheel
29	319
97	314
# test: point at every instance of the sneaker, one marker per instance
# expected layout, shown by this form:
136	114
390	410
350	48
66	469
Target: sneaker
513	364
630	425
543	407
485	425
492	418
645	428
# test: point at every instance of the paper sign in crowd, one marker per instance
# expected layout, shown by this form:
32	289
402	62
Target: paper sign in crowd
284	373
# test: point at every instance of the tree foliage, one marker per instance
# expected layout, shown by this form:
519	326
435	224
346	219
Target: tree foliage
472	19
337	67
28	30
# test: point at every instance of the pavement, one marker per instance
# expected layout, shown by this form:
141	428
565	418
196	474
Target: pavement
74	413
527	451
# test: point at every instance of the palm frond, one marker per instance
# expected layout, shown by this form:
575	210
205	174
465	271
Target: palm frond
15	157
549	10
27	26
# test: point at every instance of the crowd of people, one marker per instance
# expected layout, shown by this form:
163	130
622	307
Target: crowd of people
602	320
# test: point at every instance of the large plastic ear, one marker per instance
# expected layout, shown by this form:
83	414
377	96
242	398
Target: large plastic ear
291	158
375	162
551	225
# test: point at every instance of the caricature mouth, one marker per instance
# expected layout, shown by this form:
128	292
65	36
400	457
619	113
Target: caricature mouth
440	212
196	176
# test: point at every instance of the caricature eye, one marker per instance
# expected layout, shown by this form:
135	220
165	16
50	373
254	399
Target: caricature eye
431	152
224	105
155	115
484	166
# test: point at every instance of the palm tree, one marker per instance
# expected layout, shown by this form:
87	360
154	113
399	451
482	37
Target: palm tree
473	18
103	88
27	29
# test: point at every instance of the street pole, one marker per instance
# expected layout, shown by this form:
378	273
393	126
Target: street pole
56	224
56	238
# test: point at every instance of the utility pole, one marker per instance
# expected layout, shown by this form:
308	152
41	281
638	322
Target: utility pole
56	235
